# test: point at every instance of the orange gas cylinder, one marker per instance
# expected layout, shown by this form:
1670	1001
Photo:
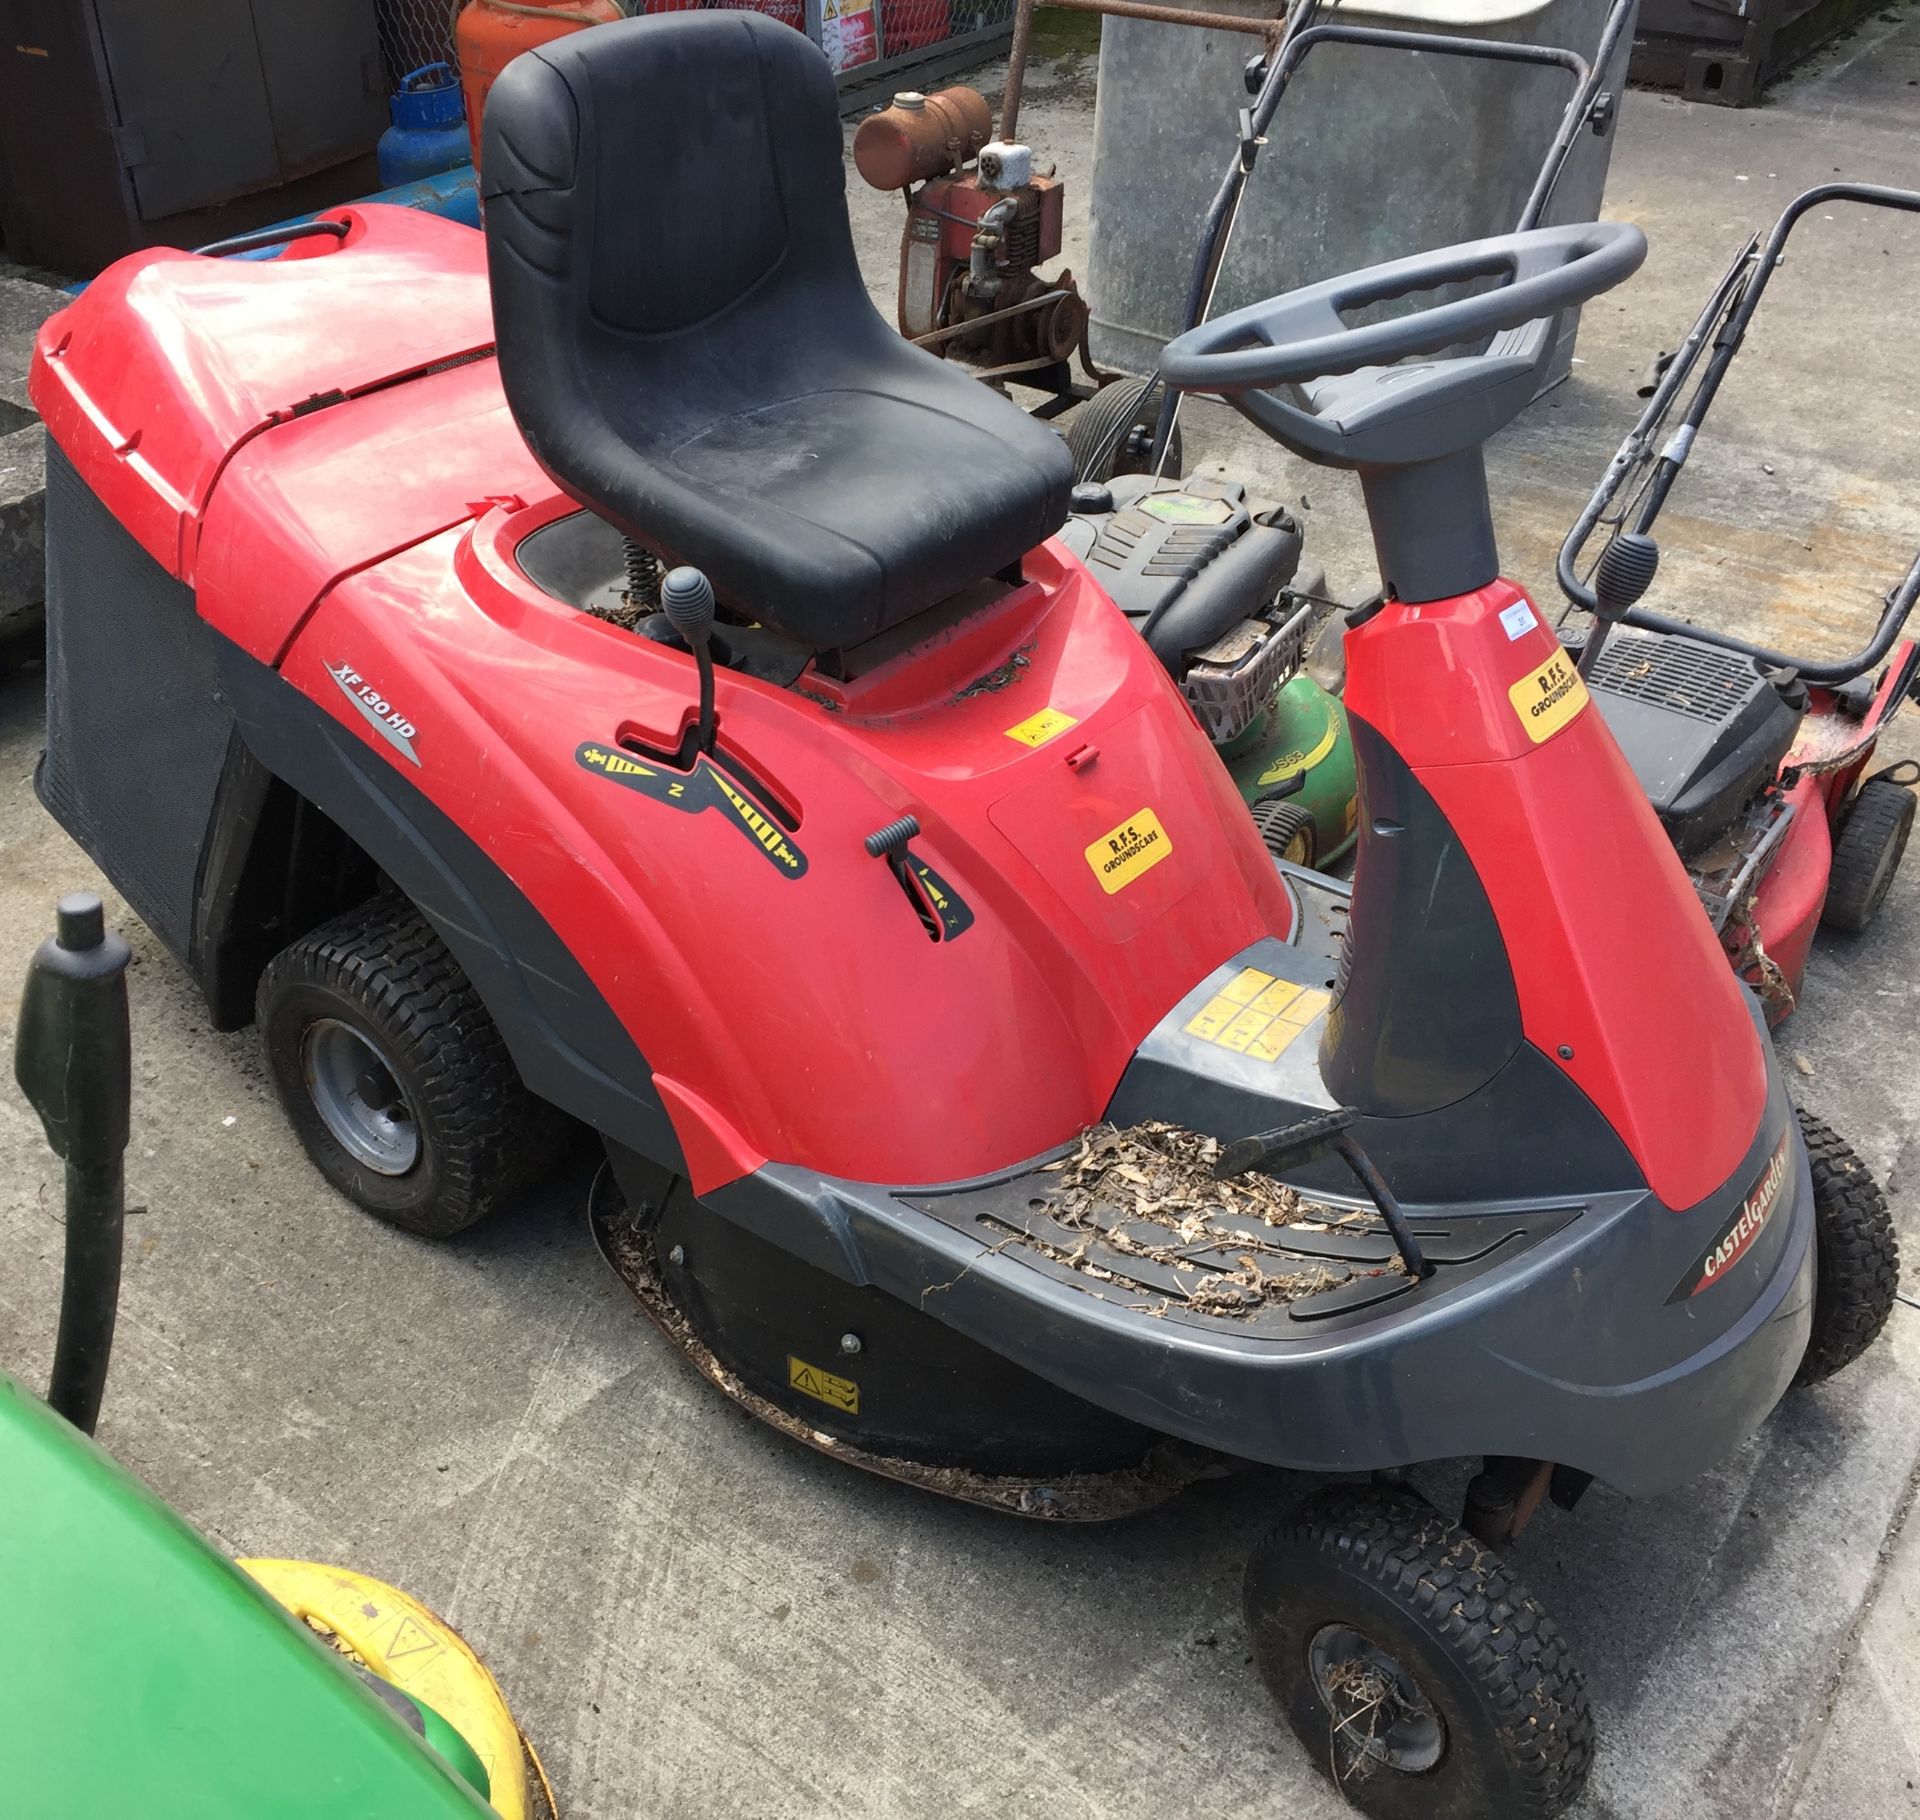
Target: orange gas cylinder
489	34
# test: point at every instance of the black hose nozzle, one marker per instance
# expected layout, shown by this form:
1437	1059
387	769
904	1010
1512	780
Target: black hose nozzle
73	1058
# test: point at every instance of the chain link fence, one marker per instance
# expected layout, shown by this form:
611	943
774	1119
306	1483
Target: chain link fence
863	39
414	33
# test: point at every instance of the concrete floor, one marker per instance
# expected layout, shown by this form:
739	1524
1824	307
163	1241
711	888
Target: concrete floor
694	1617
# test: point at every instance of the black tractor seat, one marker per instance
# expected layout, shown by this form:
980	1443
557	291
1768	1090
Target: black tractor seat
688	347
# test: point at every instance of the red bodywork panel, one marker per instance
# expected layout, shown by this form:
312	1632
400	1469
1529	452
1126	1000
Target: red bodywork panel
1610	953
804	1019
166	363
328	494
810	1019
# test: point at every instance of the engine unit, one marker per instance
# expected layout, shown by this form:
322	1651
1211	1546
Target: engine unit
1704	729
1210	577
979	224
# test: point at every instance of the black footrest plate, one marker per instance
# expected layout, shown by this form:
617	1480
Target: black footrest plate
1202	1265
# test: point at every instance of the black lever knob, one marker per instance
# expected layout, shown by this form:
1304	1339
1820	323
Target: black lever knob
686	597
884	843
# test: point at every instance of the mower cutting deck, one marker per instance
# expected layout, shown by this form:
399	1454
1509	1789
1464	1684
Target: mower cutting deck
982	1101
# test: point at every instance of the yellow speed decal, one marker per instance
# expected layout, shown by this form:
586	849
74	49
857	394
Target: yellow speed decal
1037	729
756	824
1120	855
836	1392
1547	698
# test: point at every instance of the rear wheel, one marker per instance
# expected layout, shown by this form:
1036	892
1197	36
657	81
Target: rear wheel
395	1078
1415	1669
1856	1255
1866	854
1288	831
1112	433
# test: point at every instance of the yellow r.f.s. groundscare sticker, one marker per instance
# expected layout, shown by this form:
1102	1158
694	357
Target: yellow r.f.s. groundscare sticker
1120	855
1548	697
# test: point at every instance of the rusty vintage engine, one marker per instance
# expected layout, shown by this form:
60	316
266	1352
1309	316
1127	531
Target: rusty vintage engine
978	226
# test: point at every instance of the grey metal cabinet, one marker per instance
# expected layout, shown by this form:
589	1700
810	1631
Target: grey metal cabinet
119	116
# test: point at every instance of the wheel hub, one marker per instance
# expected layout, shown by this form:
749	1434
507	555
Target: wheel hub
359	1097
1376	1711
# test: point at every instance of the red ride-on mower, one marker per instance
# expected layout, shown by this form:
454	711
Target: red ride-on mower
984	1105
1755	760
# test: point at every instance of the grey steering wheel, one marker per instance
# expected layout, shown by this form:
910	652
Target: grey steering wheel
1387	414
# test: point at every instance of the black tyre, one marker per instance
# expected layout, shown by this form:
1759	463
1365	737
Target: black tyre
1866	854
394	1076
1416	1670
1112	433
1856	1255
1288	831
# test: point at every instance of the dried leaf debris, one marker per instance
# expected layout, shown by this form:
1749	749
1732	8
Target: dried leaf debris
1142	1201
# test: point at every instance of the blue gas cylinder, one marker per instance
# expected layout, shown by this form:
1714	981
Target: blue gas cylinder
429	130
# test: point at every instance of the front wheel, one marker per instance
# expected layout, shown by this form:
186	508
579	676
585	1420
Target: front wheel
1856	1255
394	1076
1419	1674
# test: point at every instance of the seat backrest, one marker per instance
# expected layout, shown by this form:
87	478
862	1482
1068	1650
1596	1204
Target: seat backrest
688	346
653	172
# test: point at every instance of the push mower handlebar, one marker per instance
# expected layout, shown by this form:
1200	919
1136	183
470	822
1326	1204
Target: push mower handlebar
1652	455
1590	106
